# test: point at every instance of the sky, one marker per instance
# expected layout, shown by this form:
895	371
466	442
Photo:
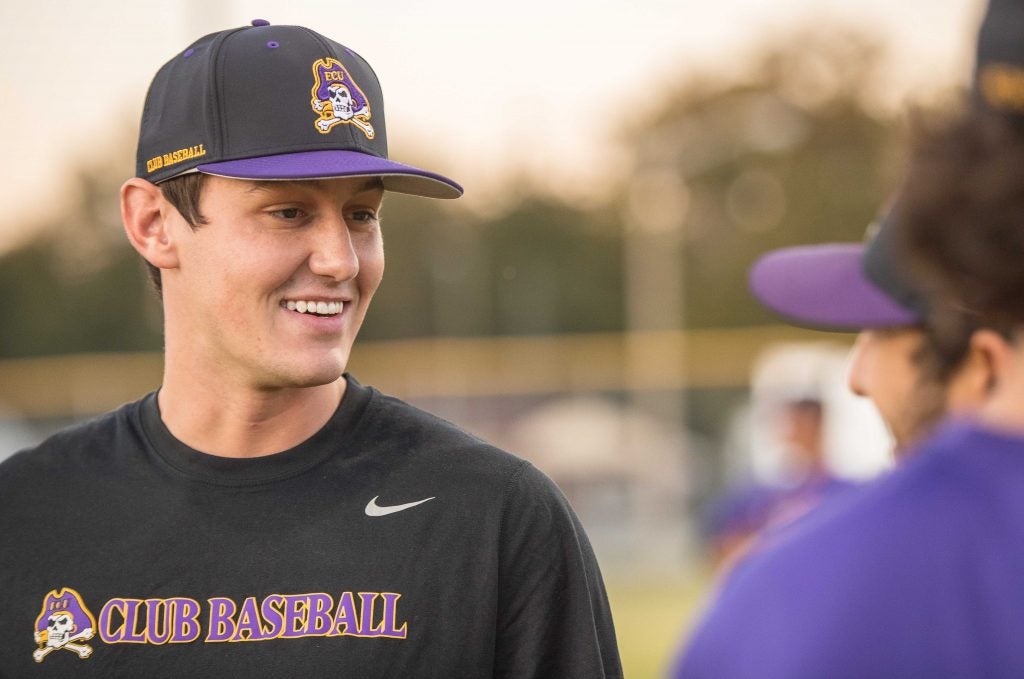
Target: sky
484	90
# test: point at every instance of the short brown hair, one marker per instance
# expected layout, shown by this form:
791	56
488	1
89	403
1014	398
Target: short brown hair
945	342
183	193
963	220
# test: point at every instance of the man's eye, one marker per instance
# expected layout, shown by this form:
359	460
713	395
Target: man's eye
364	216
288	213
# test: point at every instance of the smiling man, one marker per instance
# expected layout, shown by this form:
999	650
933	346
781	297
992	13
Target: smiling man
263	514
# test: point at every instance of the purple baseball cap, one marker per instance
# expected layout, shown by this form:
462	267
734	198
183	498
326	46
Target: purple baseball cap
839	286
270	102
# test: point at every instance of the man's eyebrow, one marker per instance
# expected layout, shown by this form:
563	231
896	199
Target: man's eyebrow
268	184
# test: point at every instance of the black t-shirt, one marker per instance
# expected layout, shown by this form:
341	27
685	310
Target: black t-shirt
389	544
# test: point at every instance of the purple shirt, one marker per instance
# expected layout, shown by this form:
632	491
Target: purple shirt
919	574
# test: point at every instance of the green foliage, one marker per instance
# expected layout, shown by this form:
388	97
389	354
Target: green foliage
543	267
790	157
54	311
77	286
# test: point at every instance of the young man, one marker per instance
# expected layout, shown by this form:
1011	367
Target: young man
897	360
919	574
264	514
797	606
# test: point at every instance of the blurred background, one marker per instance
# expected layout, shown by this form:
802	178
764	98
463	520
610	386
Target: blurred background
585	304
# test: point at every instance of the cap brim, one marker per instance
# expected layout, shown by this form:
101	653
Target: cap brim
824	287
331	164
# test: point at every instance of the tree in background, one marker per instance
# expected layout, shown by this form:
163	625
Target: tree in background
77	285
542	267
790	154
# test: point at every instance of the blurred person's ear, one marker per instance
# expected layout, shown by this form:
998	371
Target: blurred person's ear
146	216
989	358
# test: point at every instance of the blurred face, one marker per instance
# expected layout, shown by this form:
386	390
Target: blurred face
271	291
882	368
802	431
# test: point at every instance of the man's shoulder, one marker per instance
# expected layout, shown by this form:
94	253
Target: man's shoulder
888	516
421	449
943	478
829	586
422	432
783	608
872	582
78	444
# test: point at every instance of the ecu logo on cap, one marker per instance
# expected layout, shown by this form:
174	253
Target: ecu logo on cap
337	99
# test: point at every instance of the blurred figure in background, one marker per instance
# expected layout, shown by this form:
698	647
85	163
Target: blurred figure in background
735	520
809	478
910	377
919	573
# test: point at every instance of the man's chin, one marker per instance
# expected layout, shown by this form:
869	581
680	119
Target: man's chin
319	379
306	379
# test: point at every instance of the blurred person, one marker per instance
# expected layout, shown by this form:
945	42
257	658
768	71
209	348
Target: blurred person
897	361
803	432
910	374
808	478
735	520
914	377
919	574
263	513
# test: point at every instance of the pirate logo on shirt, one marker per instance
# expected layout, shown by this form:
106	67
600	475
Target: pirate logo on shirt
63	624
337	99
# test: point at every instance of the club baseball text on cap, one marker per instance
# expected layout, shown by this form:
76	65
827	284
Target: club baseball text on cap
270	102
840	286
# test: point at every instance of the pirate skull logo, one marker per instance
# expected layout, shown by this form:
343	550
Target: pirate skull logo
341	102
337	99
63	623
59	628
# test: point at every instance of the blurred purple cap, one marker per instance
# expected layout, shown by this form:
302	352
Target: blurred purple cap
825	287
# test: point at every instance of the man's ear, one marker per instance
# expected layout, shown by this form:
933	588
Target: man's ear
984	366
995	352
146	214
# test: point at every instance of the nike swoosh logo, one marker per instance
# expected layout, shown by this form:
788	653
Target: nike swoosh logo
373	509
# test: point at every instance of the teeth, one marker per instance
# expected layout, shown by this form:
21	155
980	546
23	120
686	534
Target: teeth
322	308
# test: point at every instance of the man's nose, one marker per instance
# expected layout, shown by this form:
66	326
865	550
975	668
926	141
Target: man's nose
333	254
856	376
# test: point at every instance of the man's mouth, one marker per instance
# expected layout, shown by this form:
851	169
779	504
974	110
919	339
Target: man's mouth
314	308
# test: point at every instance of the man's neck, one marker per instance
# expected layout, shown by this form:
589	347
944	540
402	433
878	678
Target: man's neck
237	422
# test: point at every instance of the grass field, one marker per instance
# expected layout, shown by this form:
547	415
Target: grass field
651	618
